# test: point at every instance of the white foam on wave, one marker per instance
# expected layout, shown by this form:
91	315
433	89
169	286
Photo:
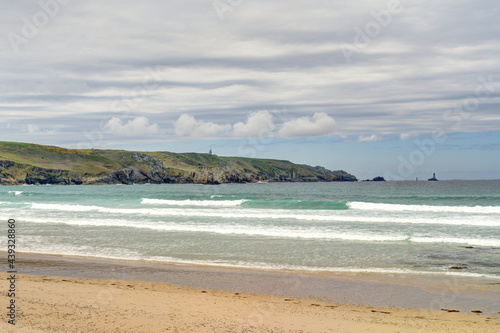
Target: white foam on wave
267	231
465	241
240	213
40	245
189	202
129	255
398	271
228	229
423	208
16	193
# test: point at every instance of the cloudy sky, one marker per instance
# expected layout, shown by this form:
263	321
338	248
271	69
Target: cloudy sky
394	88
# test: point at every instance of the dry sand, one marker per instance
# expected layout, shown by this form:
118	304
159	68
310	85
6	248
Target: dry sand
56	304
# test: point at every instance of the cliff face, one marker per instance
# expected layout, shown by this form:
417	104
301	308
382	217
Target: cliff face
34	164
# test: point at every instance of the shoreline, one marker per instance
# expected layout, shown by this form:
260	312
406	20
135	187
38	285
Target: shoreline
410	291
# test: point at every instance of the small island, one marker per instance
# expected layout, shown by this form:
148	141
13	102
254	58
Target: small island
376	179
24	163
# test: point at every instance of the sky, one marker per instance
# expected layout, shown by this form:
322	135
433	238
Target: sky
399	89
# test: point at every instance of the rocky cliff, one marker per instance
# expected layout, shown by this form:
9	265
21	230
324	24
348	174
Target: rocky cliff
22	163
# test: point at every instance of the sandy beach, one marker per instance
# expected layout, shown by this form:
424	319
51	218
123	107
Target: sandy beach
55	304
50	303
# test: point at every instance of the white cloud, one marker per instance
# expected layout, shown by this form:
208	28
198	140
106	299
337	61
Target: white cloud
321	124
187	125
258	124
135	127
370	138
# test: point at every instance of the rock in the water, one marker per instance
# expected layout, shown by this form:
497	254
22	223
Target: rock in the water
379	179
458	267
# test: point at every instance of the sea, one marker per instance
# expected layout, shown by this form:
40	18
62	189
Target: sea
397	227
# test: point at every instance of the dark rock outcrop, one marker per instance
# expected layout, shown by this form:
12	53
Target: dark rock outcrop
376	179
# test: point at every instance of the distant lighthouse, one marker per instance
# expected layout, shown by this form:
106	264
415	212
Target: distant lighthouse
210	151
433	179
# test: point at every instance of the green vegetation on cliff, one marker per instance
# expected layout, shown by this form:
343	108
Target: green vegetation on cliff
23	163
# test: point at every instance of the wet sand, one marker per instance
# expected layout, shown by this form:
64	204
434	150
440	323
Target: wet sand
72	294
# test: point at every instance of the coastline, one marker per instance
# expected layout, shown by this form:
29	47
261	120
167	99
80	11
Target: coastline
426	292
27	163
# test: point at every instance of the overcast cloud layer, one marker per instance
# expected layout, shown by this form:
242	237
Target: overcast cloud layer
156	71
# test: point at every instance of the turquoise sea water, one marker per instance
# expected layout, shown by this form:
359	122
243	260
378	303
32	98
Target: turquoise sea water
398	227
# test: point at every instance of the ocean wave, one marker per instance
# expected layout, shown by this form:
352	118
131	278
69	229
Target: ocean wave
310	210
267	231
423	208
263	214
189	202
15	193
323	205
329	269
224	229
62	250
79	251
297	204
456	240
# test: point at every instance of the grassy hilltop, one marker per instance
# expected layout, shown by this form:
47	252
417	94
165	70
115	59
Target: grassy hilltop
24	163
